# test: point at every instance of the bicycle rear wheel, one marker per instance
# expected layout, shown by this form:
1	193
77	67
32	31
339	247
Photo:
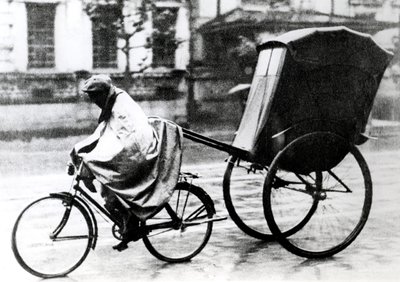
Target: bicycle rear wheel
182	239
52	236
343	195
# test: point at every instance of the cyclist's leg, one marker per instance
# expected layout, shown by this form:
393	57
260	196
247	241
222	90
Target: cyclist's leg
129	229
111	203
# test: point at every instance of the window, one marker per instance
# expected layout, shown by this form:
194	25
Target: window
41	35
270	2
368	3
105	31
164	44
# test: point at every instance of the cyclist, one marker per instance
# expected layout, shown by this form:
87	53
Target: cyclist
123	155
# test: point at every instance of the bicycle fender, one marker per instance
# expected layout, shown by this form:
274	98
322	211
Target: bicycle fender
208	199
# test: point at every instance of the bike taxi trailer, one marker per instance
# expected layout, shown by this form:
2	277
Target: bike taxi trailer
316	79
320	79
307	109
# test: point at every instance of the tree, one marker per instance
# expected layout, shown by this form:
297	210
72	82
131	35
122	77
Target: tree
125	17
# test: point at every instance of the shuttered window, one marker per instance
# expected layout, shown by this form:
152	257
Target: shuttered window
41	35
105	37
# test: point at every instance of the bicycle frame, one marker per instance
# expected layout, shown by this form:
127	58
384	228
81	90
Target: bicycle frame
78	196
86	200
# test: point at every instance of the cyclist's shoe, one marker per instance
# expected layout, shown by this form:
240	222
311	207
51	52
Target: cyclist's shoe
131	231
121	246
133	235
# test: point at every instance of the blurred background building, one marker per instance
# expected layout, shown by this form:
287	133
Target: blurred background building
177	58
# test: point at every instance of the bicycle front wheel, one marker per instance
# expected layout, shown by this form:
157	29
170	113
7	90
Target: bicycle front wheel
182	238
341	197
52	236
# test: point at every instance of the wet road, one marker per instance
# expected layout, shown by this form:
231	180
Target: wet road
230	254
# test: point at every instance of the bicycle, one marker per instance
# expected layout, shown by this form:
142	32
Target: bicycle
54	234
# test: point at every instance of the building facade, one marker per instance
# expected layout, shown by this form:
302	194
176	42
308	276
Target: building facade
47	47
59	36
253	21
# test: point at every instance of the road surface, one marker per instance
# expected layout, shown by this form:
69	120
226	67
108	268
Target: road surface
230	254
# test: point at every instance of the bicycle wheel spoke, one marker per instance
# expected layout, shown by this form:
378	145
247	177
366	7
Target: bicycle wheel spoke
196	213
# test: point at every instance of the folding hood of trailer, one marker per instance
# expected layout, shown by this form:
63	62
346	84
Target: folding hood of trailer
310	76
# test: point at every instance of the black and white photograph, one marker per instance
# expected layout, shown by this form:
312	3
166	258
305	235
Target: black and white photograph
199	140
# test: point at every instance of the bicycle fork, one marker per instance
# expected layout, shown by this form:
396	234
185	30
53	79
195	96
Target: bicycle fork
69	200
